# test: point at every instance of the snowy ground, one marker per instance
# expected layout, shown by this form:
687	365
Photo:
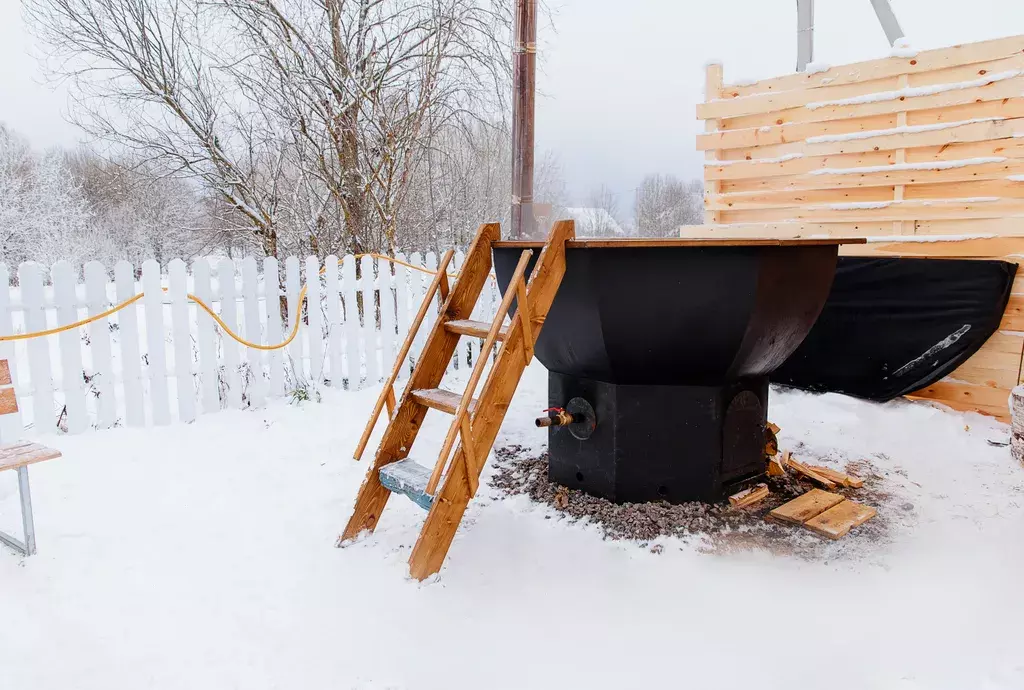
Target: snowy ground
201	556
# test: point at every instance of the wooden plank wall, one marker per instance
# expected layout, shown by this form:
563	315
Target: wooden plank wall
924	155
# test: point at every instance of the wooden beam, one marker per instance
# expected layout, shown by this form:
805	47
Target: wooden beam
712	188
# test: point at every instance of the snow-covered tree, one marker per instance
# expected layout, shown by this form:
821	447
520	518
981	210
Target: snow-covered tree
664	203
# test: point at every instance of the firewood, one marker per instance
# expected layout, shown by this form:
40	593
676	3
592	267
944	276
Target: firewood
838	477
806	506
811	474
749	496
838	520
776	467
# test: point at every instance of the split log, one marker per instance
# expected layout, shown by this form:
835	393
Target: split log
1017	424
749	496
811	474
838	477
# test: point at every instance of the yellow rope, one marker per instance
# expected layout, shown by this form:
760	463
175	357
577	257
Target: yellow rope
209	310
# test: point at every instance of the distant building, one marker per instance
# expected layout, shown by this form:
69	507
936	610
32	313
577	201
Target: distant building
595	222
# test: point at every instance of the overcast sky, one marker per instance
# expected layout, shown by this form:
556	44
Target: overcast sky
619	80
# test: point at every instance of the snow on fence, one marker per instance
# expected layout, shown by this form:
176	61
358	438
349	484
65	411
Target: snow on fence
162	359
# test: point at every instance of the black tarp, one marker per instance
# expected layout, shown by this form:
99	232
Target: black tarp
893	326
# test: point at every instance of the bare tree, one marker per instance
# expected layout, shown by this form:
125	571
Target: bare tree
664	203
305	117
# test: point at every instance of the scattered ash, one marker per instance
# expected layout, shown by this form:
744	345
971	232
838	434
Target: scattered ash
716	527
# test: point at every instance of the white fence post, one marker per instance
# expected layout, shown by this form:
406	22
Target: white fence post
315	321
367	282
30	279
333	320
206	338
156	355
72	380
272	300
99	345
128	336
181	326
228	345
402	306
253	331
352	332
11	426
291	288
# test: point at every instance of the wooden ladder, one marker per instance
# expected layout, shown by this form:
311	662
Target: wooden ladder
475	422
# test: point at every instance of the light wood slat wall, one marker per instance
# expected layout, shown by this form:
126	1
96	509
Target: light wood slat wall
929	148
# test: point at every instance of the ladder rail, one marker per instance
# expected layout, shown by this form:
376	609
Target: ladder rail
518	277
386	397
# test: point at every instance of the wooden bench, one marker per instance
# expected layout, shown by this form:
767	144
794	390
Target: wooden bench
18	456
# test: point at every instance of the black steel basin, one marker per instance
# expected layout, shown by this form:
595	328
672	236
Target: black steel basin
683	314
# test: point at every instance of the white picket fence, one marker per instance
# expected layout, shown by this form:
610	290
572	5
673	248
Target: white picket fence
162	359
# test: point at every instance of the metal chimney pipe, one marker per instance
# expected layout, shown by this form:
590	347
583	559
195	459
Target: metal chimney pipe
804	34
524	69
887	18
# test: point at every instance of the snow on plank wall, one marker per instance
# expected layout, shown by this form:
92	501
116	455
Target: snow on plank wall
924	144
163	360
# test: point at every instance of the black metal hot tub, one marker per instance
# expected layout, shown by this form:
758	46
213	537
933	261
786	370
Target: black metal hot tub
671	342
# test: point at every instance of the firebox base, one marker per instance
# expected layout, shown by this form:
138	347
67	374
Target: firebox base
660	443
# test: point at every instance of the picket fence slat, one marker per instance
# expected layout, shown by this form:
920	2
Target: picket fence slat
102	370
174	355
333	306
315	320
253	331
291	282
64	281
131	357
156	353
352	332
181	331
11	425
229	348
206	338
271	291
402	302
30	278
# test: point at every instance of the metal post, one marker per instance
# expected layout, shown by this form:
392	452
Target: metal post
524	65
26	511
804	34
887	18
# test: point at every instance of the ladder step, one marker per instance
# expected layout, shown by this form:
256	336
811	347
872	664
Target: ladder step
410	478
440	399
477	329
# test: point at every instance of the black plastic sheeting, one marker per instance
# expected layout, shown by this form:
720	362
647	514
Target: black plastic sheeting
893	326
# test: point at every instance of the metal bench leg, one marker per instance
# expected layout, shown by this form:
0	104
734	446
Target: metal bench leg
29	546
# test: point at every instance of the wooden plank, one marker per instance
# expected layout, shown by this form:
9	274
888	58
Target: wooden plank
806	506
838	520
951	209
749	497
5	373
446	513
969	248
872	177
969	395
440	399
21	454
475	329
924	61
822	106
771	133
8	401
886	140
430	368
1013	316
